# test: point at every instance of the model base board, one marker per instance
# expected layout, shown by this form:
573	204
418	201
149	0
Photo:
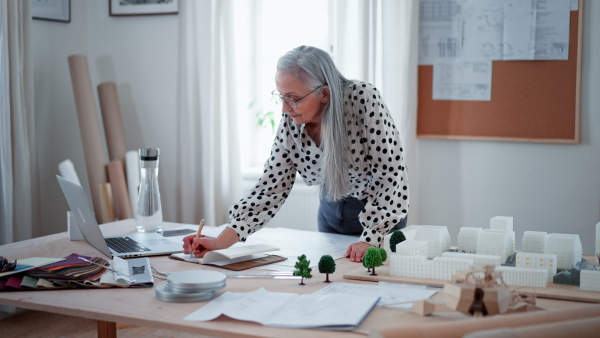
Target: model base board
551	291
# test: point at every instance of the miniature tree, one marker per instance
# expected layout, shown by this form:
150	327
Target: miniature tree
397	237
302	268
383	254
326	266
372	259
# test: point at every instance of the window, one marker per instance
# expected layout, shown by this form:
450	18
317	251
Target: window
265	30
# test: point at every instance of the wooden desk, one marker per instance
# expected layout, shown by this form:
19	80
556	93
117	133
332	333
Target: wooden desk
140	307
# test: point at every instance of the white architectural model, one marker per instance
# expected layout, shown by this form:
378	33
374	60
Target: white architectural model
537	261
537	278
534	241
501	223
420	267
412	248
445	267
437	237
411	266
504	223
495	242
542	254
590	280
468	238
566	247
477	258
409	233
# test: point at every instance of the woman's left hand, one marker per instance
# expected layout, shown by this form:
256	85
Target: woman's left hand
357	250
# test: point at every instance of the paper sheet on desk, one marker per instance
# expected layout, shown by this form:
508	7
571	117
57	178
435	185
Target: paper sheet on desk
279	309
388	294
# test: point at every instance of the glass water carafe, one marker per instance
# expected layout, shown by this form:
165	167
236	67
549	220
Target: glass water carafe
149	211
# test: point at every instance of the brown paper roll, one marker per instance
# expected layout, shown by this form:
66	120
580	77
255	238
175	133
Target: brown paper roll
113	121
462	327
116	177
89	127
107	210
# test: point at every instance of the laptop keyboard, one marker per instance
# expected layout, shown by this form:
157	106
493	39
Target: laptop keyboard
124	244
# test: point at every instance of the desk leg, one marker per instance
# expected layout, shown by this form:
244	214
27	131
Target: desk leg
107	329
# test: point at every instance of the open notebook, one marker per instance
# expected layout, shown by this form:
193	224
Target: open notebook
238	257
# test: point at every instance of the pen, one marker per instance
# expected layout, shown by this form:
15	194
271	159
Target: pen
197	235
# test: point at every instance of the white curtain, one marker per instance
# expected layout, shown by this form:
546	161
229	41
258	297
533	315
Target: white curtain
209	177
377	41
19	188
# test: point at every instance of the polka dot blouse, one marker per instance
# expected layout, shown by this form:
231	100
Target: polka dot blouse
377	175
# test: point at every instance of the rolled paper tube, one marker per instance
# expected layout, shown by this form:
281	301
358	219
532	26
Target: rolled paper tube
107	210
89	126
67	171
133	177
113	121
462	327
116	177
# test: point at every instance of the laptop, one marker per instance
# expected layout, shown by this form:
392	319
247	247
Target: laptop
132	245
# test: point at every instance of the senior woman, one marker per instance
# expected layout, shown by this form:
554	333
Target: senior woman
336	133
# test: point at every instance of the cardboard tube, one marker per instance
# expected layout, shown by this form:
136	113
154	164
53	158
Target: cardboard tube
462	327
89	127
67	171
107	210
116	177
113	121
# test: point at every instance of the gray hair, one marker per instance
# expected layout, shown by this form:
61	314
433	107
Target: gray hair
314	67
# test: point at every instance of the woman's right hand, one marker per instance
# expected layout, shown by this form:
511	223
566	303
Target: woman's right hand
203	244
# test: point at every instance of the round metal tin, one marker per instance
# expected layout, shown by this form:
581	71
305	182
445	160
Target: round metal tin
164	293
195	281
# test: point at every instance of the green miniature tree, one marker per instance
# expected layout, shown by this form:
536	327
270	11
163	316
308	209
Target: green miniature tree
372	259
302	268
383	254
326	266
397	237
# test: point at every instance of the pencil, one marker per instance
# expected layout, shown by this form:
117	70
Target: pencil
197	235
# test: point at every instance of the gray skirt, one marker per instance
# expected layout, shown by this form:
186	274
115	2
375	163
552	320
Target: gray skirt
342	217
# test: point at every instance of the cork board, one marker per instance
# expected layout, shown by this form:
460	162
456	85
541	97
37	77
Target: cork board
532	101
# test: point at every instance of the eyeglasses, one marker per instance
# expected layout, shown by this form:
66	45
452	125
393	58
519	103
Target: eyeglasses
290	102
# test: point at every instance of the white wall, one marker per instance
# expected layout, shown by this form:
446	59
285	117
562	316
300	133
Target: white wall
545	187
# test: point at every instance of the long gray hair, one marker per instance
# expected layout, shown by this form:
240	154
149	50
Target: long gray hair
314	67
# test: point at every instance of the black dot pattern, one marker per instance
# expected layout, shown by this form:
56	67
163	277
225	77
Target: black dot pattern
377	172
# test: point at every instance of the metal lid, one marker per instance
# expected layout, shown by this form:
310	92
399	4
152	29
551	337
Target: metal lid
148	154
178	289
164	293
196	281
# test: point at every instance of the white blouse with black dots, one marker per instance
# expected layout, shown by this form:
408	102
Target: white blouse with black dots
376	148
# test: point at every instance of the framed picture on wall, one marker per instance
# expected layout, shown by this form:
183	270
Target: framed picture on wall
53	10
142	7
